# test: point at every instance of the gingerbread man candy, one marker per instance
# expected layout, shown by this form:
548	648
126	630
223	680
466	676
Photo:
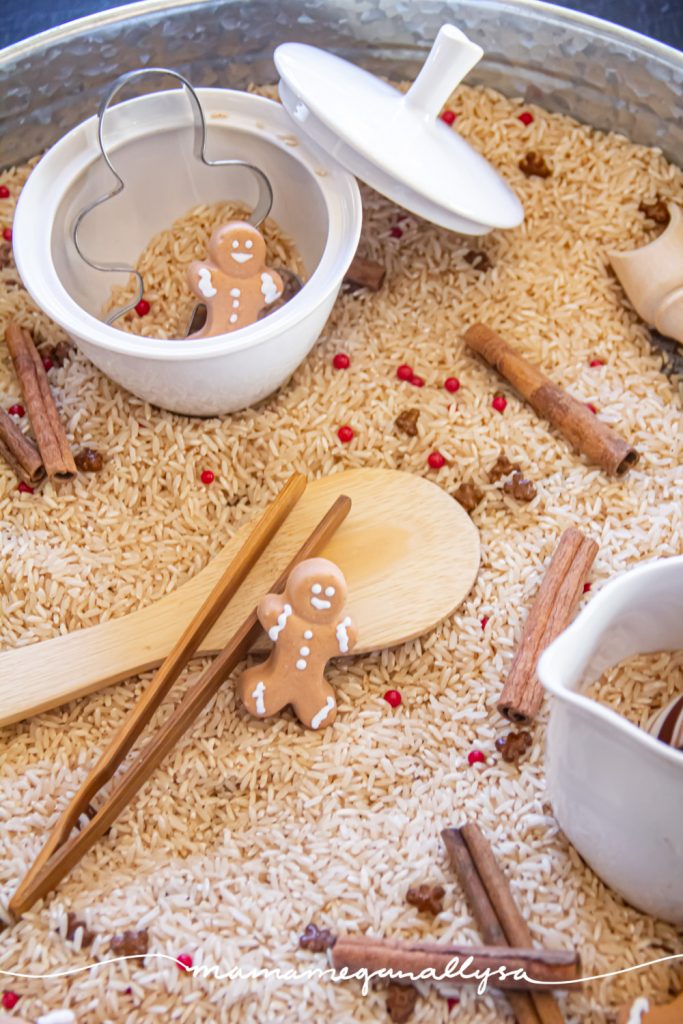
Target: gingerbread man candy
235	283
308	627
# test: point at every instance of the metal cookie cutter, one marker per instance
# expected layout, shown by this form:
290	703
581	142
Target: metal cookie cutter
258	214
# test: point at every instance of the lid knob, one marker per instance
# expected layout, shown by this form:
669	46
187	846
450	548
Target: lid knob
451	57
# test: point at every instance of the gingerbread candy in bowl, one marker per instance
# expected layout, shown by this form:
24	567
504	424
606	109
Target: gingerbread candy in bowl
235	283
308	626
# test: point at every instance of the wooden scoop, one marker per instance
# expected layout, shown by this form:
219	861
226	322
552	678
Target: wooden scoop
409	552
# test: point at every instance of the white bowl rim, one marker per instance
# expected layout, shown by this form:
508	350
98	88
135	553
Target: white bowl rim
578	699
33	247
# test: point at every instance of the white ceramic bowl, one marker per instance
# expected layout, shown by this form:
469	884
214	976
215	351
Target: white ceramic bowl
149	140
616	791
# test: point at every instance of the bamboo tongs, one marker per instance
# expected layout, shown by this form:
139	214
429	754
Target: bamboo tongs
63	851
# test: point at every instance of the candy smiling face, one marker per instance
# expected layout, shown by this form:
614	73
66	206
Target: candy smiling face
238	249
316	590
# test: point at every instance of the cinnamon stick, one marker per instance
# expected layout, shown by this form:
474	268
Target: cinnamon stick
19	451
367	953
584	431
484	914
512	922
365	273
550	614
47	426
527	1008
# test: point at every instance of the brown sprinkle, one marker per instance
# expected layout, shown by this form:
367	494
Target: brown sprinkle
365	273
518	487
468	495
657	211
478	260
317	940
534	165
427	898
401	1001
407	421
514	745
73	923
58	353
130	943
88	460
502	467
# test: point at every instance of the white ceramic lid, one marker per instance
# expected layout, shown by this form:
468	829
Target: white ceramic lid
396	142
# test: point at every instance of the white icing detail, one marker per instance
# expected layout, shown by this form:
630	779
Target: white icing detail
342	635
57	1017
330	591
205	284
249	244
233	318
275	631
269	289
316	588
258	697
235	244
235	303
320	717
318	602
641	1006
304	651
242	257
301	664
308	634
235	292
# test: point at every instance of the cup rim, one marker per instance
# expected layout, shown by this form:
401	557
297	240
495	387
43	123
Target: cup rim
73	153
571	638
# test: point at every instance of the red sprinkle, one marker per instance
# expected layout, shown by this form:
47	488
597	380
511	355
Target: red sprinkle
589	405
453	1002
393	698
341	361
448	116
10	999
396	232
436	460
586	587
417	381
24	488
47	363
4	192
525	117
142	308
597	362
404	372
345	434
476	757
452	384
208	476
499	403
16	410
184	961
484	621
7	234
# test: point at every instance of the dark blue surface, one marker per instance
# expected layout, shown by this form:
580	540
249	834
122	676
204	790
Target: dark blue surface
661	19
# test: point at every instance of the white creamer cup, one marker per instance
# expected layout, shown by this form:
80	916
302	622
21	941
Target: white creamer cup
616	791
149	140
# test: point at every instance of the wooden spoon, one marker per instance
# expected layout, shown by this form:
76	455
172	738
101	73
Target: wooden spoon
409	552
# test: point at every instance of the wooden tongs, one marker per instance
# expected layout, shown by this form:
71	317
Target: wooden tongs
63	851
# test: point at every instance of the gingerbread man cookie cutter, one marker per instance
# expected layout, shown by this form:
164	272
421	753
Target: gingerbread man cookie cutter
308	626
258	214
